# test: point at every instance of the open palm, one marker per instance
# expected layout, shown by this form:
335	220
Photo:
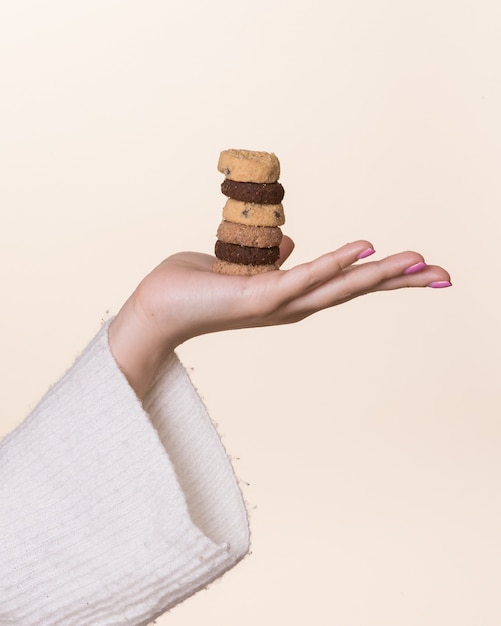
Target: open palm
183	298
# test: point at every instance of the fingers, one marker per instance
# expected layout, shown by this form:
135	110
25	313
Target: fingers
432	276
309	276
405	269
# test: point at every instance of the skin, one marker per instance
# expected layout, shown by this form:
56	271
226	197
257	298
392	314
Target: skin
183	298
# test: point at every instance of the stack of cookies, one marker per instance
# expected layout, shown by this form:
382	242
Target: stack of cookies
249	235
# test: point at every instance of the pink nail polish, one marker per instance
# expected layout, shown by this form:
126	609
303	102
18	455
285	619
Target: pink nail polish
417	267
366	253
440	284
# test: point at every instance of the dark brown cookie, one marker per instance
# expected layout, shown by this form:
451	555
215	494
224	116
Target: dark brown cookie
260	193
246	255
254	236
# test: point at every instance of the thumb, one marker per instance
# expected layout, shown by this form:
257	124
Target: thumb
286	248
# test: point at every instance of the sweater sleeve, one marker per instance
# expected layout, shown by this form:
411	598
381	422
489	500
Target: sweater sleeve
112	511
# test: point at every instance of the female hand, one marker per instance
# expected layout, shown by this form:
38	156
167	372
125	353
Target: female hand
183	298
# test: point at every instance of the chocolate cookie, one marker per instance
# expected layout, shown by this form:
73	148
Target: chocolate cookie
254	236
260	193
249	166
246	255
237	269
253	214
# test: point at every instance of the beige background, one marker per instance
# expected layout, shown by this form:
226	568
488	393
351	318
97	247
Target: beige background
371	439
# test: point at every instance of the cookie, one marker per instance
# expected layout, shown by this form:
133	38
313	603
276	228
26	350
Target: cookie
260	193
248	239
247	255
254	236
253	214
249	166
237	269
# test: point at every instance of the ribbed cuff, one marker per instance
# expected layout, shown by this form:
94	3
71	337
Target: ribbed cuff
111	514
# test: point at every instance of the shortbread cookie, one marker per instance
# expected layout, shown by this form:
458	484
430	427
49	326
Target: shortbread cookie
235	253
237	269
249	166
254	236
253	214
260	193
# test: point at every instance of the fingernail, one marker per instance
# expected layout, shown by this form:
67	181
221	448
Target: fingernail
440	284
366	253
417	267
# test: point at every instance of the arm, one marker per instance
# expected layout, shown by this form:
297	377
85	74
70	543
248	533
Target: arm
105	512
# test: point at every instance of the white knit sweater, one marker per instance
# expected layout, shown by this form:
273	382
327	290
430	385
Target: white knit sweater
112	511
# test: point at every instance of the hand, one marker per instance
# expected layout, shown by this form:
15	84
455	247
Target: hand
182	298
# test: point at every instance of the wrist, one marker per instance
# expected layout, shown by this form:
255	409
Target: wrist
136	348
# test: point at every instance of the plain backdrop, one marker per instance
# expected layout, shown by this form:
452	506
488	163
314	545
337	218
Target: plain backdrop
367	439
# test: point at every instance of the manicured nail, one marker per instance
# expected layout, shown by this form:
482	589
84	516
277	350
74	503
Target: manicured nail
440	284
417	267
366	253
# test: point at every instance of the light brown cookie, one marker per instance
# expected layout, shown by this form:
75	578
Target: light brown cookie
253	214
249	166
236	269
255	236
